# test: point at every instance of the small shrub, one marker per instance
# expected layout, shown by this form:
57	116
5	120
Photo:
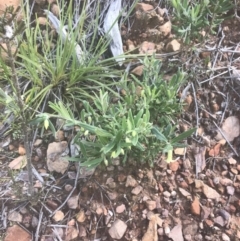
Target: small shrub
191	17
108	129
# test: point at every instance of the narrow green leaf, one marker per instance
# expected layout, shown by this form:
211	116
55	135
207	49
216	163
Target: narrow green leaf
130	117
140	146
158	134
92	163
135	139
103	133
83	149
114	142
183	136
138	116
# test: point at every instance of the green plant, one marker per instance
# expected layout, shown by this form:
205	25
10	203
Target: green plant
108	129
191	17
153	92
70	66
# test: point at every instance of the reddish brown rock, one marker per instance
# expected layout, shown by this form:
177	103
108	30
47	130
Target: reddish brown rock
161	189
138	70
209	222
204	55
17	233
52	204
121	178
174	166
183	184
195	206
232	209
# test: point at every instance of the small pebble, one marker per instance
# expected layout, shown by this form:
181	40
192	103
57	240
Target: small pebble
234	171
68	188
208	237
209	222
160	231
173	193
166	194
219	221
110	168
226	215
230	190
225	237
198	237
166	230
188	237
216	180
166	199
165	213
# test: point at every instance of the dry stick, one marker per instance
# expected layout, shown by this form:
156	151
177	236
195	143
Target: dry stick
4	216
224	112
219	44
39	224
208	113
225	138
204	81
23	116
56	233
69	195
195	99
95	236
223	50
35	172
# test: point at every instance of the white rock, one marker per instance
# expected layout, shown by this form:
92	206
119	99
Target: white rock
58	216
166	28
73	202
120	208
210	192
184	192
55	161
118	229
225	237
176	233
15	216
173	46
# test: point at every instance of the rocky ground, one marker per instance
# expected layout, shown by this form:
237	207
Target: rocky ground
196	197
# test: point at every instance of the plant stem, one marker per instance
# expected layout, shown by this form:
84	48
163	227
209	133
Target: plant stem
24	121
